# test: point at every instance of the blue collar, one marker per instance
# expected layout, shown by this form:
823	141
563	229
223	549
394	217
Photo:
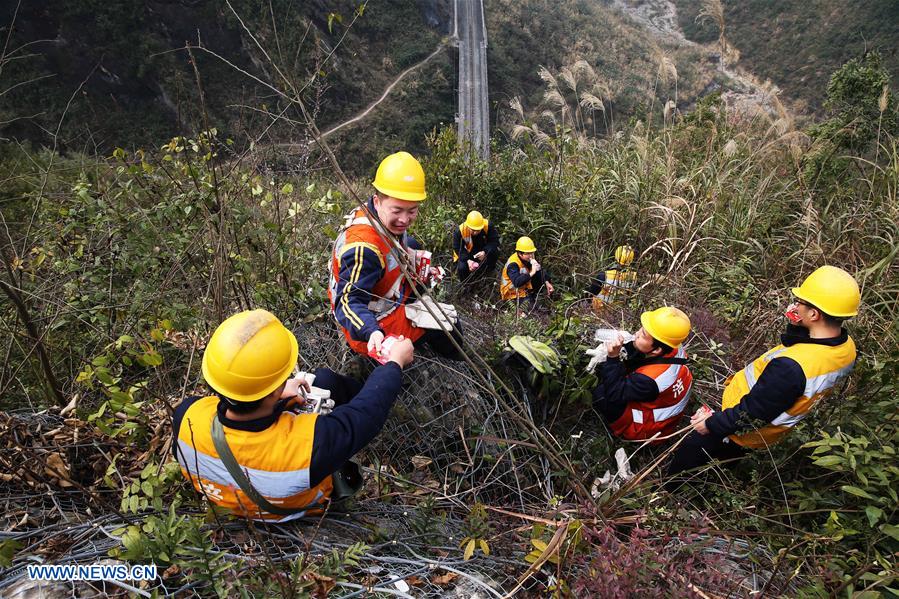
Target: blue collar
796	334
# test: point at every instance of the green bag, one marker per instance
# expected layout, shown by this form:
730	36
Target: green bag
542	357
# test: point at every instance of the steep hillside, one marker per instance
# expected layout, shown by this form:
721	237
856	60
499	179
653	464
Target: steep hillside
632	65
122	76
493	476
797	45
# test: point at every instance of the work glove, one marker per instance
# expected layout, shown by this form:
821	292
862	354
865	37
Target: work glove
597	355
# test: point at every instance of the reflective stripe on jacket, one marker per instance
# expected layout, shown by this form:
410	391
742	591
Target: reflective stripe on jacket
507	289
642	420
615	281
823	366
386	296
276	460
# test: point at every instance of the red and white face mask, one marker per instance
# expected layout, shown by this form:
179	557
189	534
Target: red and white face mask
792	313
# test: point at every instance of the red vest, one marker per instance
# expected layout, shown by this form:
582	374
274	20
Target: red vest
389	294
642	420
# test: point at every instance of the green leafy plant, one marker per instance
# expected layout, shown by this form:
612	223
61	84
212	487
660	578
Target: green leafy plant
114	372
476	530
541	536
173	539
8	549
151	488
427	522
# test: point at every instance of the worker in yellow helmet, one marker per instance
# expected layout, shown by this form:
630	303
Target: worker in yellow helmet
609	284
773	393
644	395
523	277
475	247
247	448
369	293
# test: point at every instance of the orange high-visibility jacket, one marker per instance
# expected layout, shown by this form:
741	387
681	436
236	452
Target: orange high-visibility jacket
642	420
276	460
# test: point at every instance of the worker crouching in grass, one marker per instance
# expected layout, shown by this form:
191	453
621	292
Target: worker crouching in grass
244	447
774	392
475	247
523	277
370	296
610	284
644	395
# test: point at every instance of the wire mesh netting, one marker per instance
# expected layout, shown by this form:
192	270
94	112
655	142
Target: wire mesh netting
446	420
57	509
399	559
451	442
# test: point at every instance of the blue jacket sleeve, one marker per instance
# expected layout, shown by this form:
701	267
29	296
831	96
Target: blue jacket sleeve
179	412
518	276
492	246
598	282
781	384
351	426
459	246
539	279
617	387
360	271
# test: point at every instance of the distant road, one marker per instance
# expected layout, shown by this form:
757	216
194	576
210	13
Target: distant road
373	105
473	118
387	91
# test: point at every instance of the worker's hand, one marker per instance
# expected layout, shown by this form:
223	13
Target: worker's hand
597	356
549	288
480	255
697	420
402	352
374	342
472	265
615	346
292	388
535	267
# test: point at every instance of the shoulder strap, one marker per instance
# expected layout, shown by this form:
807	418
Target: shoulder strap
234	469
663	360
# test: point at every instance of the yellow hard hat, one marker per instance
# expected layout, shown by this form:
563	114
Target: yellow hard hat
249	356
526	245
667	324
624	255
475	220
400	176
832	290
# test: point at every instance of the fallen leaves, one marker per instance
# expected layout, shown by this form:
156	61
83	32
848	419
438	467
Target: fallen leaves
444	579
57	468
420	461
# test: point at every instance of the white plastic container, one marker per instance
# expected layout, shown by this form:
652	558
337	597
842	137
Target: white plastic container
609	335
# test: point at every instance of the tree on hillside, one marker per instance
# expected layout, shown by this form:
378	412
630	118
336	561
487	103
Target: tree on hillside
861	109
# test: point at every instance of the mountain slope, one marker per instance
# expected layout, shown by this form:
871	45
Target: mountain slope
122	76
797	45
